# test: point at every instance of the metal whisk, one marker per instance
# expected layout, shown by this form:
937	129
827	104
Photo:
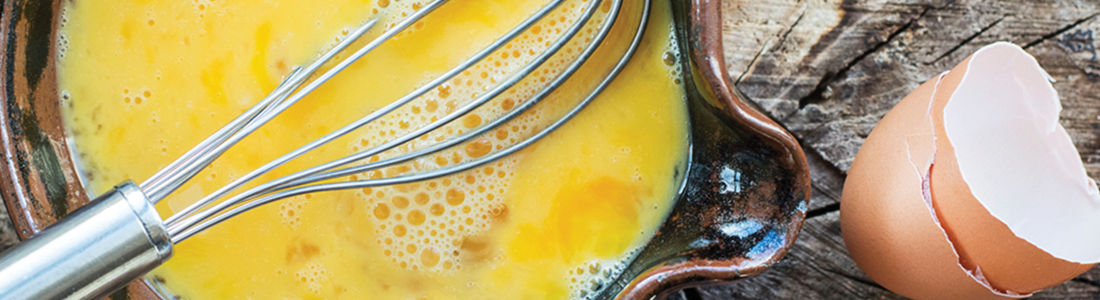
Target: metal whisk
119	236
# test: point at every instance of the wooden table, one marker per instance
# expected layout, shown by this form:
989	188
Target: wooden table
829	70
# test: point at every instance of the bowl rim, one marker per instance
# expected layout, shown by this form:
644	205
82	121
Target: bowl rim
707	53
31	118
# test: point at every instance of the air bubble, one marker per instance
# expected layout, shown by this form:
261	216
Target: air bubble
422	198
455	197
471	121
416	217
437	209
382	212
400	202
429	257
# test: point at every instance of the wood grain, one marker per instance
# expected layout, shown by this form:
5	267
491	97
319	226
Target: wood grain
8	236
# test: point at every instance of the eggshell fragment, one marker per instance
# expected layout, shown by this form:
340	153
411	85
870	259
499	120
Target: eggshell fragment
970	189
998	114
888	227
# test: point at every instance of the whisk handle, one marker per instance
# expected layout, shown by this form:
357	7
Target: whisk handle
90	253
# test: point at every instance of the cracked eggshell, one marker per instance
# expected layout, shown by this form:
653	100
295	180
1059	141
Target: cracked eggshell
888	228
909	217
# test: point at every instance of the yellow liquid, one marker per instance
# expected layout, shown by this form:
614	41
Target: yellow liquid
143	81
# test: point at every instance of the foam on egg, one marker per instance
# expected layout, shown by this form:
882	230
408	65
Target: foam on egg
422	225
291	210
313	276
588	279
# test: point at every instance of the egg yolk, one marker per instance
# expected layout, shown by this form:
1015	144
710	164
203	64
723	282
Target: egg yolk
144	81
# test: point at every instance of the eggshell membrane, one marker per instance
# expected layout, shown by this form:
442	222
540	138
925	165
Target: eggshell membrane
1006	110
985	244
887	223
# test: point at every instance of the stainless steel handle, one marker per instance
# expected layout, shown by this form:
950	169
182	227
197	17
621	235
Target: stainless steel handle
90	253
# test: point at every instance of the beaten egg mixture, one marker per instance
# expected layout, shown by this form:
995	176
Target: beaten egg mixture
143	81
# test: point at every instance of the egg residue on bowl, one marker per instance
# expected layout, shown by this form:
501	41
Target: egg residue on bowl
970	188
146	80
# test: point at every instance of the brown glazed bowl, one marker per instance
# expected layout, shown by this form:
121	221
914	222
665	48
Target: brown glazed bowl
742	204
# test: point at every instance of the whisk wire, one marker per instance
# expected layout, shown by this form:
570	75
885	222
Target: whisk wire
442	171
156	186
225	190
297	184
175	180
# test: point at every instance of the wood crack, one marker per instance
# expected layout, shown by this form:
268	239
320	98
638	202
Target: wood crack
1094	283
856	279
817	95
691	294
788	33
1060	31
813	213
969	39
752	64
782	39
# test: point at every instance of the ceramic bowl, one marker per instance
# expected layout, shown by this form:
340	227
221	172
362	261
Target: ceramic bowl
741	207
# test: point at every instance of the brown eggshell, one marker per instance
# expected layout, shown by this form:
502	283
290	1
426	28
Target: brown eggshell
981	240
887	225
